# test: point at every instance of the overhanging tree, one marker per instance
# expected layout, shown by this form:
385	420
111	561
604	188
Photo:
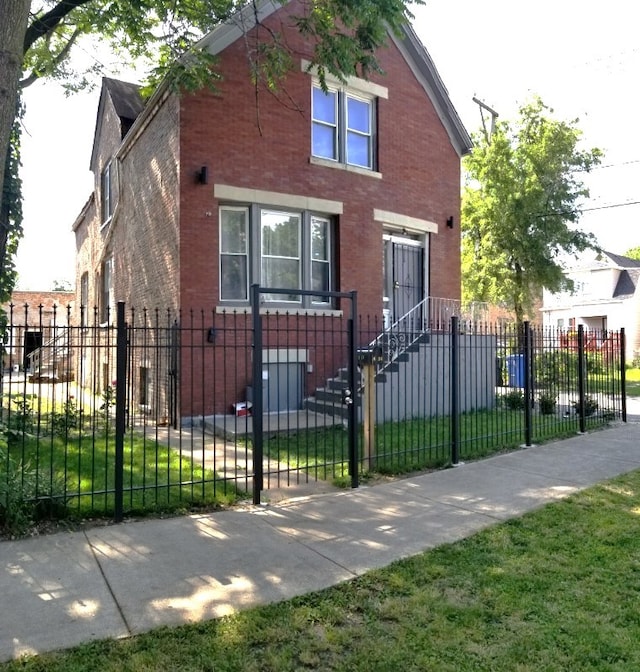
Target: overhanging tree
36	40
520	205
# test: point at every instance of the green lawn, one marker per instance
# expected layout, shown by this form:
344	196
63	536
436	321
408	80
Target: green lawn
76	470
419	444
633	382
554	590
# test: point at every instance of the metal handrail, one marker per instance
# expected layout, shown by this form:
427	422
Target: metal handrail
431	314
393	339
49	354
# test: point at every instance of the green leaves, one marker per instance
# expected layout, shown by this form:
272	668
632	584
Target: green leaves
348	32
521	198
345	35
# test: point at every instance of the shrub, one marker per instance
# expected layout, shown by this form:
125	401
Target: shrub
21	502
590	406
547	403
68	419
21	417
514	400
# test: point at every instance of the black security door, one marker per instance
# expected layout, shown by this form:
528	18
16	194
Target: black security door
404	270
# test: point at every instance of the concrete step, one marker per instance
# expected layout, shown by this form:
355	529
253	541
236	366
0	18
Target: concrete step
337	410
329	395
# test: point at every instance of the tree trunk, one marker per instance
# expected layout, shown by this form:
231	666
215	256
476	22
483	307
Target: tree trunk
13	26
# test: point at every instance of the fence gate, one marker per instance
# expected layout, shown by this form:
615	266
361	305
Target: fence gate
304	391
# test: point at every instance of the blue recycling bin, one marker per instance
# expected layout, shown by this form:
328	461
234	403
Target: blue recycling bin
515	370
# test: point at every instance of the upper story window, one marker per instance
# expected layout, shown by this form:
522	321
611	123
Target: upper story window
107	191
343	126
277	248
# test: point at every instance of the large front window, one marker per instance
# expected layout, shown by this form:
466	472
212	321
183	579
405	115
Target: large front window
342	127
281	262
278	249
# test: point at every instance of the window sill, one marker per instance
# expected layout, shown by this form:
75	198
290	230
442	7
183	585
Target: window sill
315	161
279	310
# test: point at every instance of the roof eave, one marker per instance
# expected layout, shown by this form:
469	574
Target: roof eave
420	61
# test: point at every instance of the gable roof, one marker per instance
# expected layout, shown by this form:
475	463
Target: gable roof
627	284
126	98
409	45
127	102
424	69
621	261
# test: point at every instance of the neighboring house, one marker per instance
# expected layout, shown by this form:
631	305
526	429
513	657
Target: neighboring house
34	319
198	197
605	297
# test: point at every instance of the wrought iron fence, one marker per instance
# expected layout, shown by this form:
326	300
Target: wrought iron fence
155	410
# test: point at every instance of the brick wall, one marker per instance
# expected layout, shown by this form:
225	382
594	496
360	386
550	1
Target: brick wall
253	139
265	145
165	236
145	238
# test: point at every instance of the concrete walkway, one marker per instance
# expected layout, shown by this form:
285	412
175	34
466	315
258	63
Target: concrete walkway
116	581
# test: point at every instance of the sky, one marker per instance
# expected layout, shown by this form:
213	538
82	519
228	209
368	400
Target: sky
582	59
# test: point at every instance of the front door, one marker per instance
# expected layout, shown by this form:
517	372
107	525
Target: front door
403	275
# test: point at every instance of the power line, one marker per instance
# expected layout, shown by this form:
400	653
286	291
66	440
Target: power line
614	165
607	207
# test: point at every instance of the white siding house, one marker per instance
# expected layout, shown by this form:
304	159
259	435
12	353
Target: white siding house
605	296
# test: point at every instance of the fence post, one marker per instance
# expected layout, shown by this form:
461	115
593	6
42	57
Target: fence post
121	401
528	383
352	409
581	381
257	395
623	373
454	383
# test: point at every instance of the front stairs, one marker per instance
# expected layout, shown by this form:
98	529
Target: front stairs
329	399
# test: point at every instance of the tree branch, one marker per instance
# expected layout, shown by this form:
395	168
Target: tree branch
34	77
46	23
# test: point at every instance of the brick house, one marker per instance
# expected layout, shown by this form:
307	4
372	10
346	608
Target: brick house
199	196
34	319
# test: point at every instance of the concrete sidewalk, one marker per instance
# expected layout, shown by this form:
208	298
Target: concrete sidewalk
115	581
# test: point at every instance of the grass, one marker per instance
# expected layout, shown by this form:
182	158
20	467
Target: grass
78	469
418	444
632	377
554	590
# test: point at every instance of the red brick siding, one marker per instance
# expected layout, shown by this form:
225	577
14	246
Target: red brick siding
420	169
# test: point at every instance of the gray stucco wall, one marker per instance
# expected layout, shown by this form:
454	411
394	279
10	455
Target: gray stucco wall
421	387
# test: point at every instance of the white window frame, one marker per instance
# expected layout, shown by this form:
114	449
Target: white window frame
343	129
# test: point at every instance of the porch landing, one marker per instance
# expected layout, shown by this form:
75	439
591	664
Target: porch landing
232	427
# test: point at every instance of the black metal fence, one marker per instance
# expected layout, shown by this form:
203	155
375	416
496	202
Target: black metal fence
160	410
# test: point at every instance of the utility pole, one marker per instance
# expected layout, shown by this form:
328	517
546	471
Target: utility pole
494	116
